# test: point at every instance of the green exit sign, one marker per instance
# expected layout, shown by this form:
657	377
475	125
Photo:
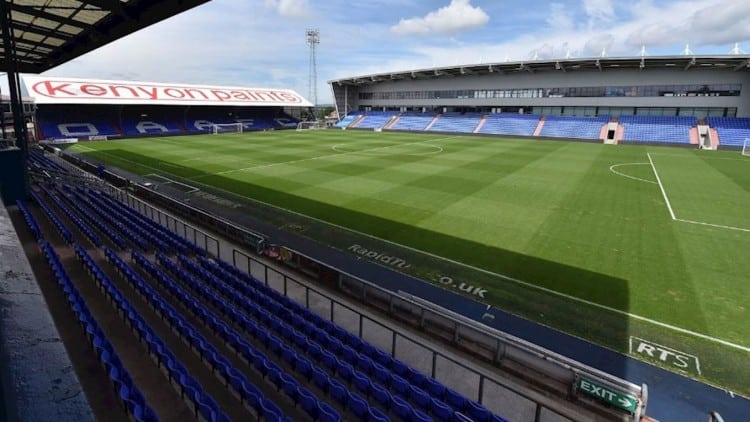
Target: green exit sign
608	395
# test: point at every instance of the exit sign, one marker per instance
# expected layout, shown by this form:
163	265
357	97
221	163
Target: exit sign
608	395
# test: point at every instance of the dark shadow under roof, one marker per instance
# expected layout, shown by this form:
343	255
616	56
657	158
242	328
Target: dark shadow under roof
48	33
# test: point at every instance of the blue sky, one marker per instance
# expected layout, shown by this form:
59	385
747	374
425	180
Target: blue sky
261	43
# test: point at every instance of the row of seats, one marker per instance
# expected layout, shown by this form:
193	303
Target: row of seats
375	119
340	349
61	228
201	402
574	127
112	235
347	120
30	220
82	225
666	129
111	221
336	359
510	124
732	131
175	242
413	121
152	240
219	363
256	322
456	122
39	160
203	405
127	391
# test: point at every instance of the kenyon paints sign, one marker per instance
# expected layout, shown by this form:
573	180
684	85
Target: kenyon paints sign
91	91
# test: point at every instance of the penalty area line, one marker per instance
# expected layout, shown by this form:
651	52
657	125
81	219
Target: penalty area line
718	226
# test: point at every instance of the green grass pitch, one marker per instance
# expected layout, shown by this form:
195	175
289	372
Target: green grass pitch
658	232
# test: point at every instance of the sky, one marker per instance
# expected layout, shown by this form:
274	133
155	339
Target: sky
262	43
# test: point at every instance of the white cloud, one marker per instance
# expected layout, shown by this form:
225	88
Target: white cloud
697	23
458	16
289	8
599	10
559	17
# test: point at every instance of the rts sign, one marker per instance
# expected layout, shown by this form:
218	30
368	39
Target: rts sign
668	356
608	395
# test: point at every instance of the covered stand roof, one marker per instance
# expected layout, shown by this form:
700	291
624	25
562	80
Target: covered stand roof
734	62
48	33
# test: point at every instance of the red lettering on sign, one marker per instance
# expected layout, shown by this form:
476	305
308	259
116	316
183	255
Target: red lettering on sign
48	90
94	90
220	95
174	93
116	90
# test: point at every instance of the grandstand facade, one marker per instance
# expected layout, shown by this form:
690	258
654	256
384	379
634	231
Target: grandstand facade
105	109
671	99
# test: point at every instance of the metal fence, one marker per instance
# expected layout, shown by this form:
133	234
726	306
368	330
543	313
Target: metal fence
500	396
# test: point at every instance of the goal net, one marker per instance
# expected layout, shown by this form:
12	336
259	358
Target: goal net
308	125
746	147
227	128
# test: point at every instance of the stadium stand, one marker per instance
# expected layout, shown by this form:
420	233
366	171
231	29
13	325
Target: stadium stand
573	127
666	129
732	131
375	119
510	124
413	121
76	121
82	122
347	120
310	365
456	122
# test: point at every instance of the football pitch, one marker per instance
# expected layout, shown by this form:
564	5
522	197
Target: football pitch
615	244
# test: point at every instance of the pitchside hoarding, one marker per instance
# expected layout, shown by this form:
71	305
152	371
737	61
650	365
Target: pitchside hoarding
55	90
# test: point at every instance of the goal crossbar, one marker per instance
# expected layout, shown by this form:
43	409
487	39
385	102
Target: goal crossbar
218	128
308	125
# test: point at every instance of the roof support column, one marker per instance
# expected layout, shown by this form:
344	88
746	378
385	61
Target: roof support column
16	105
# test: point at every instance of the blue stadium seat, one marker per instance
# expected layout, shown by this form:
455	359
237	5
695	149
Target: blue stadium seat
327	414
361	383
321	379
401	408
358	405
477	412
455	400
339	393
440	410
419	397
380	395
309	403
376	415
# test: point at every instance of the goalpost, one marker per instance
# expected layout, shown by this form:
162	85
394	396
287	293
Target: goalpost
746	147
218	128
308	125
